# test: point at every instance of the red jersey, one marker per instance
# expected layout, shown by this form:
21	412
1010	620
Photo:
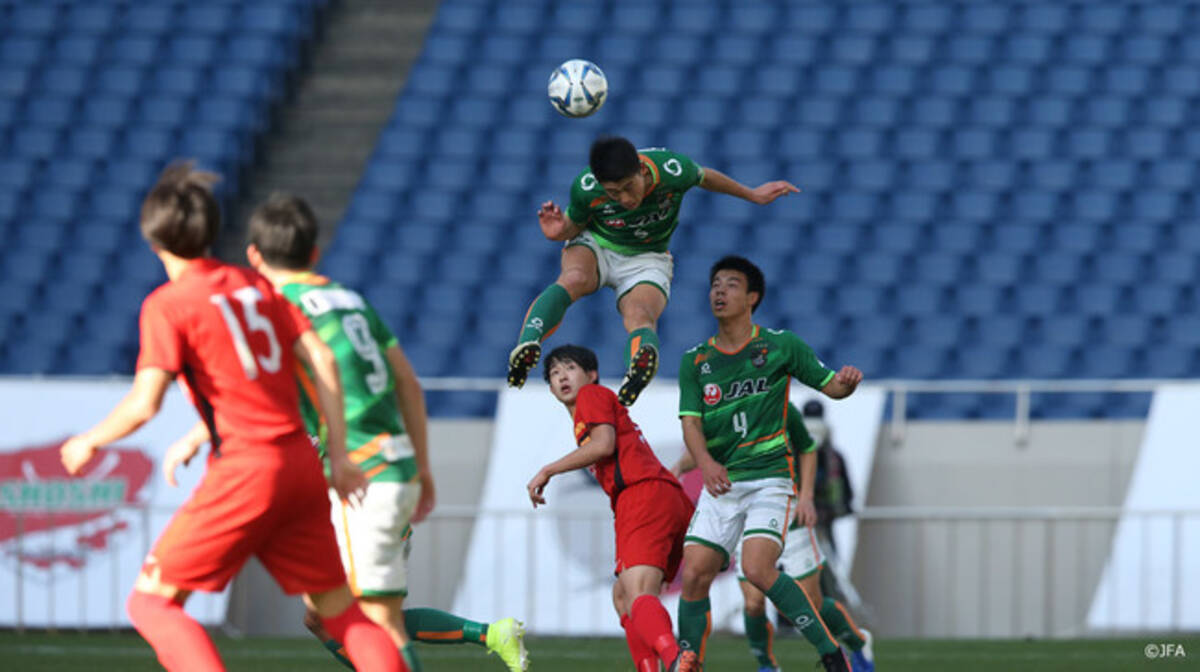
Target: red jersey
632	461
228	336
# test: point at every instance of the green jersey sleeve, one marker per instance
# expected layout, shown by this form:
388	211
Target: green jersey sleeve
579	210
798	436
804	365
682	172
691	397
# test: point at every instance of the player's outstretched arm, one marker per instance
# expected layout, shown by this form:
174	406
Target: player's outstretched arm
716	478
715	180
600	443
347	478
139	405
182	451
556	225
843	383
411	400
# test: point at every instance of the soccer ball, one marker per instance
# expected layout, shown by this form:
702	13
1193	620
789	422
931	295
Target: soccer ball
577	88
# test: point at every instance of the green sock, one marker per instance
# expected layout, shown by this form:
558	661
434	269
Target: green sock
438	627
694	624
409	652
638	338
338	652
758	631
839	621
545	314
791	601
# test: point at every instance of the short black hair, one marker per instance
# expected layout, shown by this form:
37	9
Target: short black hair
284	229
583	357
613	159
180	214
754	275
813	409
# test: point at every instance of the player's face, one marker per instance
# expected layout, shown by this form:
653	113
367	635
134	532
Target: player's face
566	378
728	295
630	191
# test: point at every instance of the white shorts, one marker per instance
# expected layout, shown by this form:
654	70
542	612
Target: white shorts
801	555
759	508
374	537
624	272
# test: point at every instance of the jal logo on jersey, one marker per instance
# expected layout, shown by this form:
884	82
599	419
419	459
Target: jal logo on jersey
746	388
38	500
712	394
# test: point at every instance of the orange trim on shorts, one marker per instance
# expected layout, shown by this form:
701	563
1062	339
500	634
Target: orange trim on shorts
351	575
438	636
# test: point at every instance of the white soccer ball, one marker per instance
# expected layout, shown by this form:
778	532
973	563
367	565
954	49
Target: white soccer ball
577	88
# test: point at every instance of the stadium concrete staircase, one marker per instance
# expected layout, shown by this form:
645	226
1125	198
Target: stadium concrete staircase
343	101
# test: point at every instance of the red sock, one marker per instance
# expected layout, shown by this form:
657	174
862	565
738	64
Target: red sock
180	642
367	645
644	657
653	624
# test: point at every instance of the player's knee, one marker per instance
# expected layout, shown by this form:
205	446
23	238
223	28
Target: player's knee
576	281
760	576
696	579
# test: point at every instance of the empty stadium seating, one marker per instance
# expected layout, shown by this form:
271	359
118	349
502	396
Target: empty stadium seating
991	189
95	98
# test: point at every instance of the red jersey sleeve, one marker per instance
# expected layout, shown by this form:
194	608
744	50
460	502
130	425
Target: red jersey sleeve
595	405
161	340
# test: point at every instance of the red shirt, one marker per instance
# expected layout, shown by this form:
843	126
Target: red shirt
633	461
228	336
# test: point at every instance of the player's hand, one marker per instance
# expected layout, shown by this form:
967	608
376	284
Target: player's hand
179	453
348	480
428	498
550	215
765	193
806	513
848	377
76	452
716	478
536	486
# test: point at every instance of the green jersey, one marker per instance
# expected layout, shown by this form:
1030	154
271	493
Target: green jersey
648	227
375	436
742	399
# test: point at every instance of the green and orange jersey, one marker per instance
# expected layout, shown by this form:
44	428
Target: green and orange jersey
342	318
648	227
741	398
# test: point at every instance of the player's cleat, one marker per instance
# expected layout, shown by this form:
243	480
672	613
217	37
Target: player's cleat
863	660
835	662
641	371
506	639
686	661
523	358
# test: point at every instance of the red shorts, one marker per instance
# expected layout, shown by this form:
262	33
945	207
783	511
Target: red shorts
651	520
268	501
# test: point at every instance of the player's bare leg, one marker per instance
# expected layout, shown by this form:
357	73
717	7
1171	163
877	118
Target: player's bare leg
759	556
368	646
759	630
640	309
156	610
580	276
647	624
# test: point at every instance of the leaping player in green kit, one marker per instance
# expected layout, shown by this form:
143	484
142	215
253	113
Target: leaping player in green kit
623	210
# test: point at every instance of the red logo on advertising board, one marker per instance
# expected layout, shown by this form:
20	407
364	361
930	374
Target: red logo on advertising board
712	394
37	495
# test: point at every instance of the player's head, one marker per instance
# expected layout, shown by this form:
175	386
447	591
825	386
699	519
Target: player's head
735	285
617	167
568	368
283	234
180	216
